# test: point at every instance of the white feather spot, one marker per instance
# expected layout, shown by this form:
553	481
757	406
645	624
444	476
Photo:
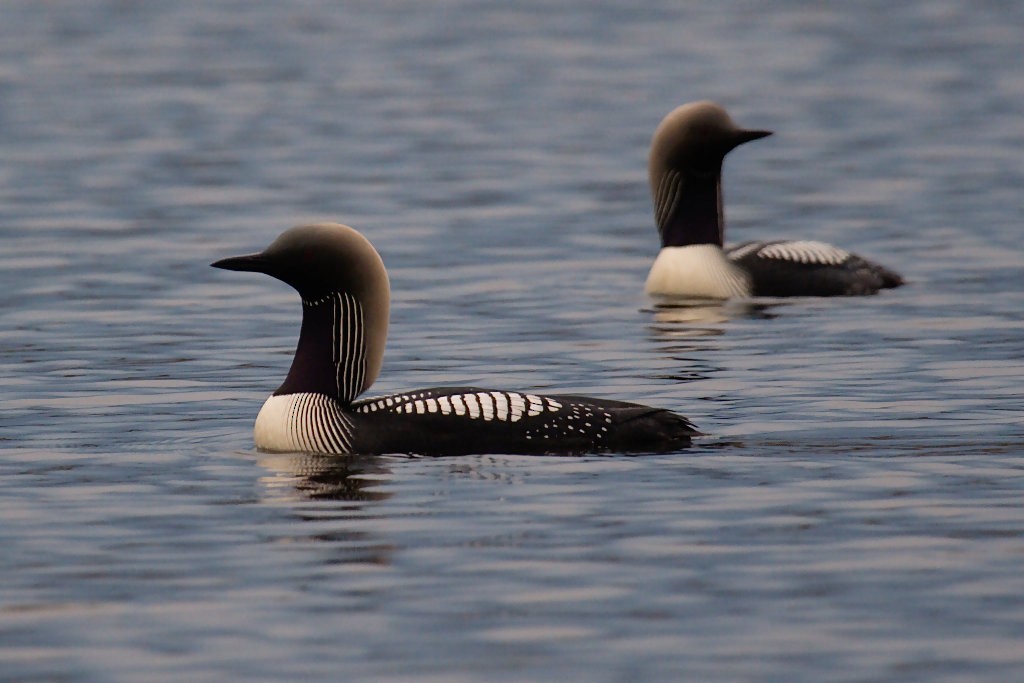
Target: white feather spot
738	252
536	405
517	406
446	407
805	251
472	404
457	405
486	406
500	406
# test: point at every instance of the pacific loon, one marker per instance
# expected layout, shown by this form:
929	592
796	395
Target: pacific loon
345	299
685	168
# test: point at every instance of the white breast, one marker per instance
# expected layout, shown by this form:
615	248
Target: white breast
700	271
305	422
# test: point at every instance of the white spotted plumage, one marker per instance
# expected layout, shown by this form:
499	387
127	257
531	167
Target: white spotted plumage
570	420
501	406
536	405
446	405
738	251
517	406
472	405
315	422
798	251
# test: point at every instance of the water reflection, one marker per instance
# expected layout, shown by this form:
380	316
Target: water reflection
323	477
683	330
691	317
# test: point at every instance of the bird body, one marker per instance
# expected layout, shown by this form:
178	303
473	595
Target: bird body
345	299
685	170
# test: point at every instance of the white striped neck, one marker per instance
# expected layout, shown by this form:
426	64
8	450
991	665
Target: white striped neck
330	357
701	271
688	206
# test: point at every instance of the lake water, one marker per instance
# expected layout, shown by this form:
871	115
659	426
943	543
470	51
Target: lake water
855	514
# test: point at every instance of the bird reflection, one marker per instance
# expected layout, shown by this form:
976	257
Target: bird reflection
704	317
325	477
683	330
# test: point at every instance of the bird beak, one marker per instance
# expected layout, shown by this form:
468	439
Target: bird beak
749	135
254	263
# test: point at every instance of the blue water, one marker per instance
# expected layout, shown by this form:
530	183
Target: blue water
855	514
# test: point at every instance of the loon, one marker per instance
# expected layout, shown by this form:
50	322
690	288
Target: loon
685	169
345	298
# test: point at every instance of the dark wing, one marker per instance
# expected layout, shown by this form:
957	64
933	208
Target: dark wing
465	420
808	268
636	428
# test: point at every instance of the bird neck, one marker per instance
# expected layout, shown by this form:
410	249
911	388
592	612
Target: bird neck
331	354
688	208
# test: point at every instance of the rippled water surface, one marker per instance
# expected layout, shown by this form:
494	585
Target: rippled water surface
856	512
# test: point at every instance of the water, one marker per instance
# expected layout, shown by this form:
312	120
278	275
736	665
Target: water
855	513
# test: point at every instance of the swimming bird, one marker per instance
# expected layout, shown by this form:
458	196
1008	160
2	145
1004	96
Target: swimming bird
345	299
685	169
